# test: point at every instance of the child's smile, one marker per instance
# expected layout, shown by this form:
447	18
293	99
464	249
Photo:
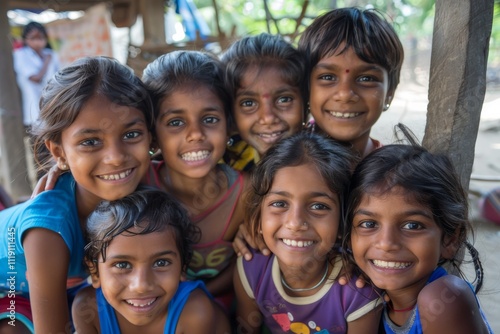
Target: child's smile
347	96
191	131
300	225
395	240
267	108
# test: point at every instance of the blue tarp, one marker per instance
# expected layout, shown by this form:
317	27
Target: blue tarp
191	19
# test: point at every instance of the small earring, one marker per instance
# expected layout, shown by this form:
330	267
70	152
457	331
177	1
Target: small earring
151	152
62	165
230	142
386	107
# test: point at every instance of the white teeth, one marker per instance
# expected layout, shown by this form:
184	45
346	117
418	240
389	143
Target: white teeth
116	176
141	305
194	156
270	135
344	114
295	243
391	265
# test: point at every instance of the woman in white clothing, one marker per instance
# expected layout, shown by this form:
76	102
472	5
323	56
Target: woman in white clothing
34	64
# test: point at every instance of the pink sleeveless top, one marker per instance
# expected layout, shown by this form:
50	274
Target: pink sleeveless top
212	257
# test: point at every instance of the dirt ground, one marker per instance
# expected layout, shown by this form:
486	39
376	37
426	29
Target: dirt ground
409	107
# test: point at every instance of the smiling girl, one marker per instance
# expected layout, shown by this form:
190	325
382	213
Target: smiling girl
96	121
296	289
193	110
408	216
143	289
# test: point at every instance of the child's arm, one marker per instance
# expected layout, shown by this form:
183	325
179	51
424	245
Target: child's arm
448	305
248	316
368	323
201	316
223	282
242	238
47	261
84	311
47	57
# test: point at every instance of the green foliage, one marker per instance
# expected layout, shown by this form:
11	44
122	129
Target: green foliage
249	16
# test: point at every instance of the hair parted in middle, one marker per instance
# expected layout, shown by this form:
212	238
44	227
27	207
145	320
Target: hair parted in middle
334	161
186	70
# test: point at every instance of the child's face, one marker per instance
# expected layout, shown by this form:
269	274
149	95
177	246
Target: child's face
138	281
36	40
266	108
300	216
106	149
191	130
347	96
396	241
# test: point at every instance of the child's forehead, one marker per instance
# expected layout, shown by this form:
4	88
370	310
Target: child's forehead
139	235
35	32
385	191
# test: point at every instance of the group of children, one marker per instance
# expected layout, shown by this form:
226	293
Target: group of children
394	218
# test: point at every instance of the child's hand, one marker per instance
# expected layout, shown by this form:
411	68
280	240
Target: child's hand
347	272
242	240
47	182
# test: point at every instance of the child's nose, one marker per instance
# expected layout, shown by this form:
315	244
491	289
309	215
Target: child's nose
195	133
142	280
296	220
345	92
267	114
388	239
115	155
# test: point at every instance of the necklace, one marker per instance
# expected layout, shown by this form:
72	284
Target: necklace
306	289
406	309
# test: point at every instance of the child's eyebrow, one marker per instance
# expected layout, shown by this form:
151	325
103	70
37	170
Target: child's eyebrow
415	212
131	257
363	67
311	194
93	131
280	90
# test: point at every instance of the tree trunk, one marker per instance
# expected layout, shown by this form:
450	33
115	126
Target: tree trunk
153	20
12	156
458	80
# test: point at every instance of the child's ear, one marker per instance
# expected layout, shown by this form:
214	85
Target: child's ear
94	274
450	246
58	154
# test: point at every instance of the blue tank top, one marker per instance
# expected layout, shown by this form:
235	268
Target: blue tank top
413	325
109	323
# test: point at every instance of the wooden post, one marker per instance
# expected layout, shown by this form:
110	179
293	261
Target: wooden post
12	155
458	80
153	19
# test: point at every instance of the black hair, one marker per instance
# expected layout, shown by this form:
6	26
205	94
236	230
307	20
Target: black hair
367	32
264	50
67	92
333	160
35	26
430	179
186	69
151	210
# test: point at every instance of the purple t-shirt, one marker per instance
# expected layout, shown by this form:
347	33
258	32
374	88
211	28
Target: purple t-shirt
327	311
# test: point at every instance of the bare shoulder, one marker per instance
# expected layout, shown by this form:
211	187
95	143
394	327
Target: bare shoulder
202	315
449	305
84	311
